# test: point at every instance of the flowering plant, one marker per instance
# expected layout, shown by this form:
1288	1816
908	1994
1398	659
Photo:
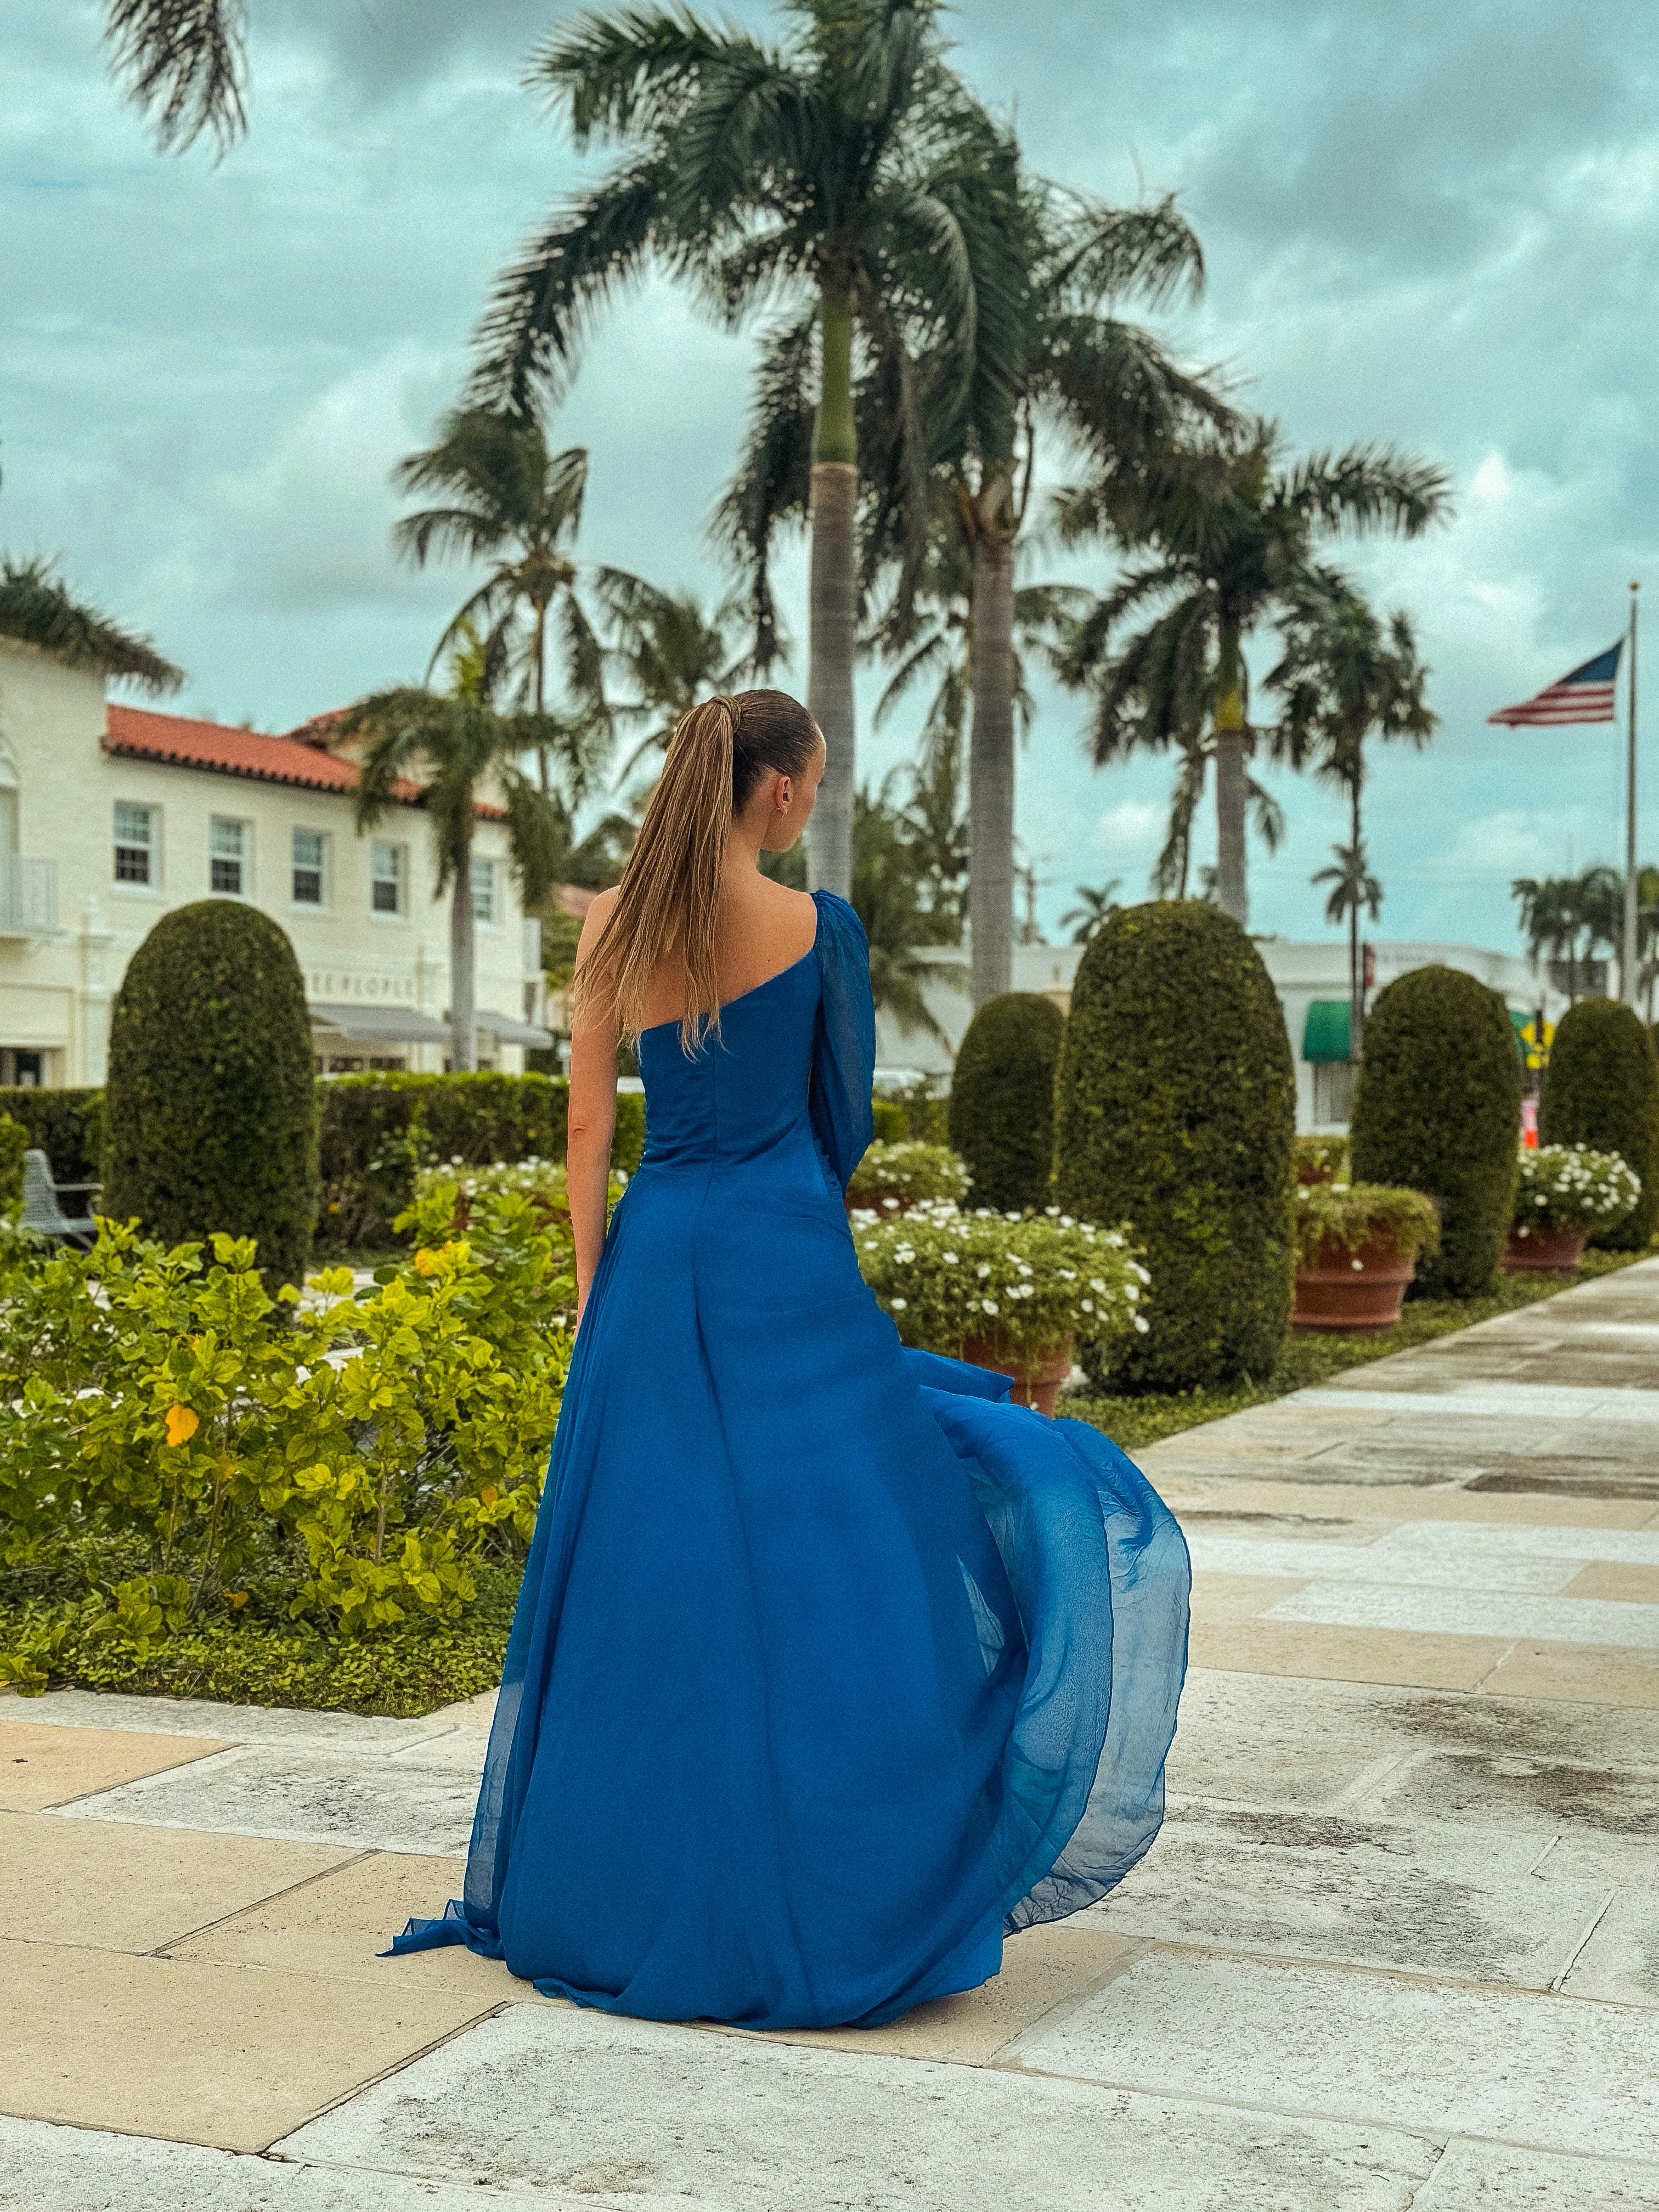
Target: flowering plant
1026	1283
1349	1215
890	1174
1570	1187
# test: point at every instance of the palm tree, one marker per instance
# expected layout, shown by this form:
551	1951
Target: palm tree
1064	362
515	505
1229	535
886	888
1548	921
1354	889
1647	927
1095	905
463	754
667	649
37	608
1344	675
184	62
835	172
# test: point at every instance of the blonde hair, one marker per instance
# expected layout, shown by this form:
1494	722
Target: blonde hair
668	905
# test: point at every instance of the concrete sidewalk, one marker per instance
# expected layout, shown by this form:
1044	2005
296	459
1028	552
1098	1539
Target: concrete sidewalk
1397	1947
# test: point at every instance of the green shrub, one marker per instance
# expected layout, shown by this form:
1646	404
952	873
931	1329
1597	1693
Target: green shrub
1569	1187
67	1125
926	1111
1175	1112
14	1143
211	1097
1002	1099
230	1459
628	1140
1601	1088
892	1123
379	1131
1438	1110
1321	1159
890	1173
1022	1285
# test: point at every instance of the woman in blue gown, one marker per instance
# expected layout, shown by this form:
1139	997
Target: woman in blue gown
831	1667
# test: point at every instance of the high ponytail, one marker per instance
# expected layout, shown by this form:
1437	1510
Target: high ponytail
667	908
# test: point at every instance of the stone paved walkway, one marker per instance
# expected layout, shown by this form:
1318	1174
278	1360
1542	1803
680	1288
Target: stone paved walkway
1397	1948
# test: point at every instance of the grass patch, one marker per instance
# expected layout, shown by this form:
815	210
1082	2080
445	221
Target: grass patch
1307	1361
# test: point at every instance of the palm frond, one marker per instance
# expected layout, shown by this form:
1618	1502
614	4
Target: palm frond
38	609
184	64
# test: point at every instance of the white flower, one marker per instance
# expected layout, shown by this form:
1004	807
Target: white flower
899	1305
1088	1305
1094	1282
984	1269
949	1259
1067	1221
1142	1324
989	1304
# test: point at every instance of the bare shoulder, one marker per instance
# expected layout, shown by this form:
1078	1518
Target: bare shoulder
594	920
783	907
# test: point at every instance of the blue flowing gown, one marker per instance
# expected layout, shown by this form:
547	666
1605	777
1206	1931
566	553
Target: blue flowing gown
830	1668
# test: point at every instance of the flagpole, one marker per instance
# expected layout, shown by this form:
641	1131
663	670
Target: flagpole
1628	960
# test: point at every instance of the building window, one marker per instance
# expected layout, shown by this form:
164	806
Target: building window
483	893
1333	1089
227	857
135	843
310	850
390	867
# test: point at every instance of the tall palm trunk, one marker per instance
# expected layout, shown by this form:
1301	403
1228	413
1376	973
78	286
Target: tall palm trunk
463	1011
1232	740
833	599
1355	976
539	616
991	747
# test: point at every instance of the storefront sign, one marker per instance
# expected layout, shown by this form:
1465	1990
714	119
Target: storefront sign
331	985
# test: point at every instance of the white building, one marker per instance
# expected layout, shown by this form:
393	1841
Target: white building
111	816
1312	981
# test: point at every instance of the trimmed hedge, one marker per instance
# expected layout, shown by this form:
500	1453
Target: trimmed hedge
377	1130
1601	1088
1175	1112
1439	1109
67	1125
1002	1099
212	1098
892	1123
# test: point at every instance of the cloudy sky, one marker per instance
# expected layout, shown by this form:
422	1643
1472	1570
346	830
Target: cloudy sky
1430	225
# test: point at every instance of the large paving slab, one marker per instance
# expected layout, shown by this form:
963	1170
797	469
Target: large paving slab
633	2115
42	1766
1441	2058
47	2168
308	1793
1481	2177
196	2051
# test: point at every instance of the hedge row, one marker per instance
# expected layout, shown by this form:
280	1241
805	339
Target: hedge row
1601	1088
376	1131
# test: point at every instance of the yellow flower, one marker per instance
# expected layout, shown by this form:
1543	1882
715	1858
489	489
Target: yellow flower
425	1263
182	1425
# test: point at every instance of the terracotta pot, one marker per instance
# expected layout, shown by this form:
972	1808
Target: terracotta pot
1558	1250
1036	1382
1358	1292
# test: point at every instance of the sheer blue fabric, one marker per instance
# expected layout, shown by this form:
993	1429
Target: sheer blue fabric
830	1666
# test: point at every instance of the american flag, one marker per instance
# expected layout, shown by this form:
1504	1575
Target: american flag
1586	695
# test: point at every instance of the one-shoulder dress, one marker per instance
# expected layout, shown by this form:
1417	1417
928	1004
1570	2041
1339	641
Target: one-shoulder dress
831	1667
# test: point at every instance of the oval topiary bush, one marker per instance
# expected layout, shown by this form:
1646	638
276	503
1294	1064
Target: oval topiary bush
1438	1110
1002	1099
1601	1088
1176	1112
211	1102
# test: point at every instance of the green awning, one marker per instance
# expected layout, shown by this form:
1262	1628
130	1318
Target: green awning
1325	1032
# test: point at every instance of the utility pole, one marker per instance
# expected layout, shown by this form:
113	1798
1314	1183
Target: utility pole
1628	961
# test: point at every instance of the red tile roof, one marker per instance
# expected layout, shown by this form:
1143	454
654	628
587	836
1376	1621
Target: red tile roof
178	740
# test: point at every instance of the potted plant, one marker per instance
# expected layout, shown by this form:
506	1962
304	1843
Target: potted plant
1566	1192
1357	1246
892	1178
1011	1292
1321	1159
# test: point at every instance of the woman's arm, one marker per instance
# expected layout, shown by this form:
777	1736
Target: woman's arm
593	1122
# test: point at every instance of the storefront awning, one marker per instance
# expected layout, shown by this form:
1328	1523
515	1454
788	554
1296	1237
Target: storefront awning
378	1025
1325	1034
506	1031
